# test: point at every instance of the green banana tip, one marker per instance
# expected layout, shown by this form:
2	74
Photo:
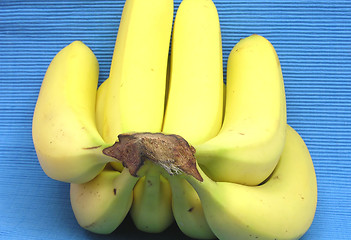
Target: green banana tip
172	152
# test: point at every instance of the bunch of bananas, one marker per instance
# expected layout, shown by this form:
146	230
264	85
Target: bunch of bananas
164	139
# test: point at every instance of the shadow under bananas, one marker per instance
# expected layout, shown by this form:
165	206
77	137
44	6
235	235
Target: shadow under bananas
127	231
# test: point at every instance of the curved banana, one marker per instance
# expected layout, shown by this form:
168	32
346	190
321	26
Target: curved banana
151	209
249	144
137	81
135	96
194	106
102	204
187	210
67	143
281	208
195	97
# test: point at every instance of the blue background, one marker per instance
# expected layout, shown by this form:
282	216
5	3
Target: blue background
312	39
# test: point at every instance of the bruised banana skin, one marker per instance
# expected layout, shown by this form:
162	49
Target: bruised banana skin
194	108
101	205
281	208
249	144
152	200
135	95
67	142
195	97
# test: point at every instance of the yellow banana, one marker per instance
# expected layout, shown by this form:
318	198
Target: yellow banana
101	205
67	143
137	81
135	96
249	144
187	210
281	208
152	200
195	97
194	106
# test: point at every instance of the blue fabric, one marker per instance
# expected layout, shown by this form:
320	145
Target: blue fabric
313	41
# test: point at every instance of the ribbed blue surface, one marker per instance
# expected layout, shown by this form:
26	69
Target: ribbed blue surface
313	41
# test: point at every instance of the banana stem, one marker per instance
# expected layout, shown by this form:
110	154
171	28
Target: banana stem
126	179
172	152
206	184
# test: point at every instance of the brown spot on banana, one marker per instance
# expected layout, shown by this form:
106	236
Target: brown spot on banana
89	148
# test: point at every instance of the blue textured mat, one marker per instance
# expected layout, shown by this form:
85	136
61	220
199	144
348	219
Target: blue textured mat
313	41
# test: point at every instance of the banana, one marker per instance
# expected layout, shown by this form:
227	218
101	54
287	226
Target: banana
102	204
194	106
249	144
281	208
151	209
67	142
135	96
187	210
195	98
